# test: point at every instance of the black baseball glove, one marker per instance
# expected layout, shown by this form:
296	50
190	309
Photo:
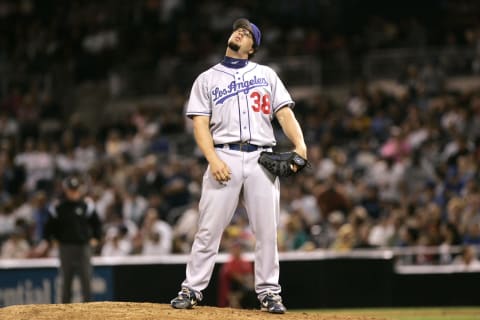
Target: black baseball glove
282	164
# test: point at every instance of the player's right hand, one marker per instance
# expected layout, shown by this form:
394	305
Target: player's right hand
220	170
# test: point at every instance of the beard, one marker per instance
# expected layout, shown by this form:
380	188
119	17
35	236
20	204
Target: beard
235	47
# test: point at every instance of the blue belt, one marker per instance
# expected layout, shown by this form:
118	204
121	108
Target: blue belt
244	147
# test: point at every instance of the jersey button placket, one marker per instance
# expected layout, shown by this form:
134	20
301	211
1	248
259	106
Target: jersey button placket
244	117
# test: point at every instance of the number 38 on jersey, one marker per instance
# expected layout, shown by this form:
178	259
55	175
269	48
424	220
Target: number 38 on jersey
260	102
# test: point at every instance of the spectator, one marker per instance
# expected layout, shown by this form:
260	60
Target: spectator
134	207
305	202
185	229
331	196
117	243
38	164
397	146
293	236
467	260
450	238
472	235
236	285
370	200
382	232
155	236
363	241
7	220
418	173
40	215
325	233
345	240
85	153
16	246
388	175
151	179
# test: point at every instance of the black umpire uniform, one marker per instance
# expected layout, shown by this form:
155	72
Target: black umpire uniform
74	223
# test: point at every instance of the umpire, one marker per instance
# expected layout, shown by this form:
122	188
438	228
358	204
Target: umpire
75	225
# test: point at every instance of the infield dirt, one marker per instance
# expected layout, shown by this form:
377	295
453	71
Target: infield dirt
150	311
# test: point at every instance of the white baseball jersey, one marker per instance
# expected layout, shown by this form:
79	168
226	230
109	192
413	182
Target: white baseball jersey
240	102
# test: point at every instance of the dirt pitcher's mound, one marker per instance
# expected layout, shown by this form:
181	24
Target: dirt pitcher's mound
149	311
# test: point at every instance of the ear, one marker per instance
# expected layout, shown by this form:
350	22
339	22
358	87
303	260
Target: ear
251	51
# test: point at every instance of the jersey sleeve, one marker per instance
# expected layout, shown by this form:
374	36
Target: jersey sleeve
280	96
199	103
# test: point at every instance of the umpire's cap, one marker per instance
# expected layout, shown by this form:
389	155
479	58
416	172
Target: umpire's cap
244	23
72	183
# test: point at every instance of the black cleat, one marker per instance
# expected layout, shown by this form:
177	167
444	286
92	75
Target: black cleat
186	299
272	303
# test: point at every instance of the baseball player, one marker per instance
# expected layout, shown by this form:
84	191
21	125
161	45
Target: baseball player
232	105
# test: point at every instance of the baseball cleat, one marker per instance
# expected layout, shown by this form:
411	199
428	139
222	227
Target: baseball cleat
186	299
272	303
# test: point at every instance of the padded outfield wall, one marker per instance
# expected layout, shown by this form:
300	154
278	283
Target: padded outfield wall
319	279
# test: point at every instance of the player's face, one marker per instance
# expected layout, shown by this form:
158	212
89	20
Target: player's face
241	41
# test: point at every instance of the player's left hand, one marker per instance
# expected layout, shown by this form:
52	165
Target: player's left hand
282	164
301	151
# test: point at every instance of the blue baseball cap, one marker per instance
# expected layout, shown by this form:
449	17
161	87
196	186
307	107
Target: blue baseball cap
244	23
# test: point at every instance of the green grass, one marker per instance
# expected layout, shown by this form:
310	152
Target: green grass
447	313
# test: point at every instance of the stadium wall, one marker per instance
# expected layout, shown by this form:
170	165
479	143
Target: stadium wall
310	280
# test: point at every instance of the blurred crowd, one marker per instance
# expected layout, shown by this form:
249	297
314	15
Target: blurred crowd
152	43
388	171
